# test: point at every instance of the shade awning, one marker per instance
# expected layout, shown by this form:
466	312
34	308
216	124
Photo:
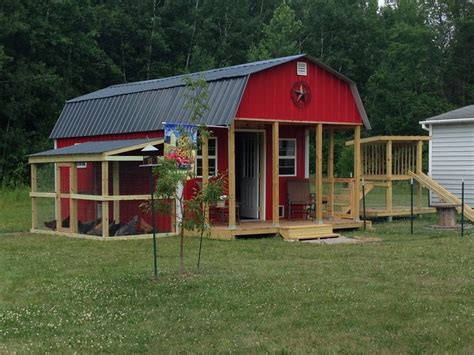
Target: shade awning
94	151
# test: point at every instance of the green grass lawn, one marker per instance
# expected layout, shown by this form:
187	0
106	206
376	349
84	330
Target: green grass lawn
403	294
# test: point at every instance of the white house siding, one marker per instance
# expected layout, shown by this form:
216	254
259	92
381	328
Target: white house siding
452	158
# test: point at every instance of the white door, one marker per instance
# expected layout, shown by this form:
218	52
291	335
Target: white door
249	179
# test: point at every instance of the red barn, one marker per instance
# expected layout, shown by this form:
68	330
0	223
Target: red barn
261	115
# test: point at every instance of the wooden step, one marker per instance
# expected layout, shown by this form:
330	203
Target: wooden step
313	231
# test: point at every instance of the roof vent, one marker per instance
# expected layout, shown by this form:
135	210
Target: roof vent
301	68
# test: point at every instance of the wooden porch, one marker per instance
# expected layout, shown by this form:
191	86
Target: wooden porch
332	211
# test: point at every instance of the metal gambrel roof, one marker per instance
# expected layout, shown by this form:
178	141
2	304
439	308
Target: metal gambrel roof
145	110
143	106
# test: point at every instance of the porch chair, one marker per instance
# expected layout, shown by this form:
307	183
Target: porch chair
300	198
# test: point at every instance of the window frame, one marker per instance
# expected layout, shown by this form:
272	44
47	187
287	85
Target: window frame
294	157
199	157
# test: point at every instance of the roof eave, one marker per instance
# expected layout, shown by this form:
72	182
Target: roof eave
447	121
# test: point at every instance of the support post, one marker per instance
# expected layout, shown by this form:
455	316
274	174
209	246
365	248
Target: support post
231	151
419	169
57	188
318	176
116	189
105	204
34	201
205	170
389	192
330	208
275	173
72	201
356	200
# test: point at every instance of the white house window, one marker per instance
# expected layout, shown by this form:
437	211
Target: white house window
212	158
287	152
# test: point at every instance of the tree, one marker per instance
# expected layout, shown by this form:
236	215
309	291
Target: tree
281	37
171	179
406	86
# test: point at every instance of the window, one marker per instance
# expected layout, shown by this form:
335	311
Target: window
287	152
212	158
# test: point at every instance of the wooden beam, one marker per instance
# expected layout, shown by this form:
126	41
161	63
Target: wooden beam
390	138
318	176
275	173
140	146
330	205
205	169
101	198
66	158
105	204
34	201
231	152
419	169
389	191
116	189
72	202
124	158
356	200
57	190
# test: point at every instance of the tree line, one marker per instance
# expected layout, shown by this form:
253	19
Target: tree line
410	61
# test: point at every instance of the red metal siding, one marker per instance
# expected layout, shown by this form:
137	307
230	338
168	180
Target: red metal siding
133	180
268	96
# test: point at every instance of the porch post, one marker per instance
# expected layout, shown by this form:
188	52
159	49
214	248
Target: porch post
275	174
331	173
34	201
356	200
231	152
116	189
105	204
388	163
318	174
73	201
205	170
419	169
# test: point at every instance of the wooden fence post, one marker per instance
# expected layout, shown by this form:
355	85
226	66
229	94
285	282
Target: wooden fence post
34	201
356	202
105	204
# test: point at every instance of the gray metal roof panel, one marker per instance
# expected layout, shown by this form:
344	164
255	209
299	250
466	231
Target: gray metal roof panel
93	147
145	111
463	112
209	75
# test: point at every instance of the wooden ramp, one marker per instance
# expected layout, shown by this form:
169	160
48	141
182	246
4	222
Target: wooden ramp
442	193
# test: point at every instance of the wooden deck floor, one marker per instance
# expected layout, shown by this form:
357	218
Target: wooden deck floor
293	230
397	211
